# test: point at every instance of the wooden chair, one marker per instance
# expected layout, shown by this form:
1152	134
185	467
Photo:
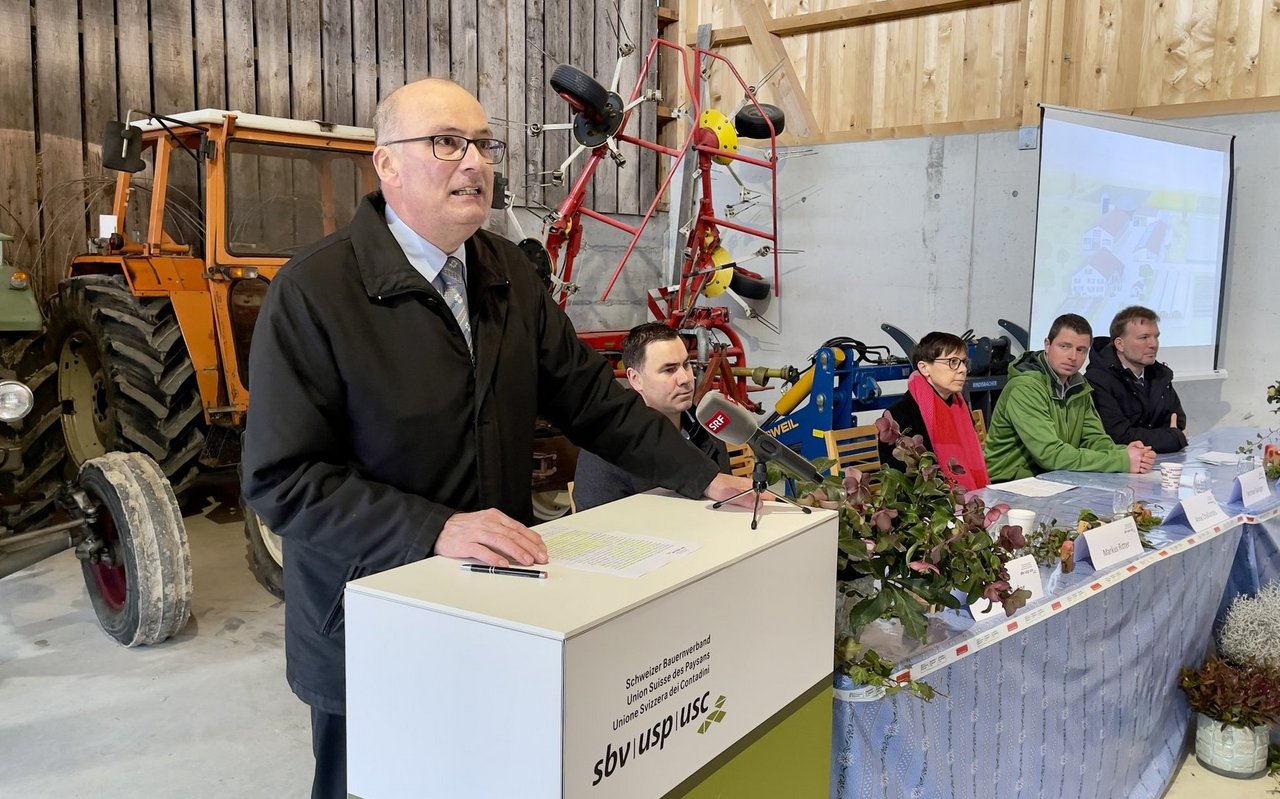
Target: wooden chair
979	425
741	460
858	447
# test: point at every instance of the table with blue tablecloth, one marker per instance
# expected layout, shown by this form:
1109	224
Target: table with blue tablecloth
1076	695
1258	558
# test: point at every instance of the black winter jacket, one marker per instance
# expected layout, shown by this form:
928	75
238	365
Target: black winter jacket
369	425
1130	412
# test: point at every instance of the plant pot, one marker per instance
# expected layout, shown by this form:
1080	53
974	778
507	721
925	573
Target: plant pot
1232	751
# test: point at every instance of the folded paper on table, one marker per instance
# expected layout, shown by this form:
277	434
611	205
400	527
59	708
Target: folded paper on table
1112	543
1250	488
1201	511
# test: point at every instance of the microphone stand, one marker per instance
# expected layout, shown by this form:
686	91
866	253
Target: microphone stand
759	485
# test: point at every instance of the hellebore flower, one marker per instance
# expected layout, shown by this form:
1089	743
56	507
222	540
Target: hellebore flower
922	566
908	449
888	428
856	486
994	589
1012	537
883	519
994	513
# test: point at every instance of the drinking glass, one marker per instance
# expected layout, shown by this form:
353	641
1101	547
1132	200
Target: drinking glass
1121	502
1200	482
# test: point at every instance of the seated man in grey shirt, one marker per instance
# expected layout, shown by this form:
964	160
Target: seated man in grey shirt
657	363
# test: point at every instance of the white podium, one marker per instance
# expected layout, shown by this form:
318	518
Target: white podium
587	684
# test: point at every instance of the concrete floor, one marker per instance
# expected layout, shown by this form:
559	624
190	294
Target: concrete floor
206	714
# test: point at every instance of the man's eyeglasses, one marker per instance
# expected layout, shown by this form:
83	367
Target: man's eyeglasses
451	147
954	363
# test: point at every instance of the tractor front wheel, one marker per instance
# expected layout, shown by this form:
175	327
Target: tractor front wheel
136	561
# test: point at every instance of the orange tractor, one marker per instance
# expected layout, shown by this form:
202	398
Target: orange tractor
152	331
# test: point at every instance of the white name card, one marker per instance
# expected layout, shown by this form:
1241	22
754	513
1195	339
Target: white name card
1200	510
1112	543
1251	487
1023	573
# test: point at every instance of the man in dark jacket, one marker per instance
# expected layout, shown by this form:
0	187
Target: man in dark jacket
397	369
657	364
1132	390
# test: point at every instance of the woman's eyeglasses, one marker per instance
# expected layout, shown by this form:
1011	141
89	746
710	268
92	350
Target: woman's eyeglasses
954	363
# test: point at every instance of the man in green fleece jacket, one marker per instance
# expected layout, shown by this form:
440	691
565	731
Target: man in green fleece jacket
1045	419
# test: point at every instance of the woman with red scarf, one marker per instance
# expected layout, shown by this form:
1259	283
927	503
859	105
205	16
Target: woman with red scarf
934	408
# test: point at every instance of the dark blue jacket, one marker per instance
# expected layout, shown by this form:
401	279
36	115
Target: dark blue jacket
1132	412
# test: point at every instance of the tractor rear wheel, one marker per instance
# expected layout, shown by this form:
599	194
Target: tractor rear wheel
136	560
264	551
550	505
125	377
29	486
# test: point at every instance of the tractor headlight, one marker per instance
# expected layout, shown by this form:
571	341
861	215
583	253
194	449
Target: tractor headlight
15	400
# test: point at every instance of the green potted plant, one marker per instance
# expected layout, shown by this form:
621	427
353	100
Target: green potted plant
1235	707
1237	695
907	545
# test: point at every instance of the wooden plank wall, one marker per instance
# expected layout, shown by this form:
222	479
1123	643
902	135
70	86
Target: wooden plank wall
890	68
66	68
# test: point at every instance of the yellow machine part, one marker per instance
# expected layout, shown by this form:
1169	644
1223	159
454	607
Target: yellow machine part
726	134
722	277
794	395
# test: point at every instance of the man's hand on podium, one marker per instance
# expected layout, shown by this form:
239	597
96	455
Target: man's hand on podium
490	536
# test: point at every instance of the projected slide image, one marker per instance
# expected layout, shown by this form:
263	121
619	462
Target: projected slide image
1132	212
1119	245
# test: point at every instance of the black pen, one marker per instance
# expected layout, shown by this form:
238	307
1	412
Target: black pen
509	570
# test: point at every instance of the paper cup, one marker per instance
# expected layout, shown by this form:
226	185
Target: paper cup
1026	519
1170	476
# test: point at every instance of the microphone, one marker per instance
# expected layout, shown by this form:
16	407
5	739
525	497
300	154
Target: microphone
733	425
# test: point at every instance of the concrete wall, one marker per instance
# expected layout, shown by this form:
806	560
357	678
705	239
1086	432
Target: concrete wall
939	234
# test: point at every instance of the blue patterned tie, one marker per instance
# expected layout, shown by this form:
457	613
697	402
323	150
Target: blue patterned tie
455	294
